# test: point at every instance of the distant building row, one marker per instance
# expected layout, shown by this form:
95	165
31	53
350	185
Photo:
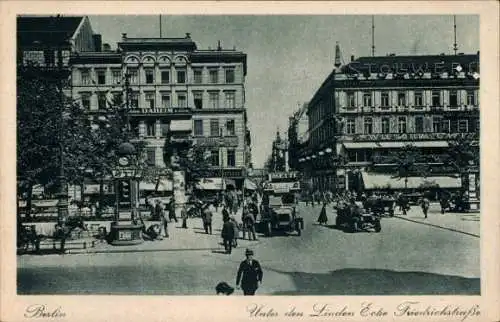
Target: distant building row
172	86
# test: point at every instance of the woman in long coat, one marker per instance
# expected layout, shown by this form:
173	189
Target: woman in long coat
323	219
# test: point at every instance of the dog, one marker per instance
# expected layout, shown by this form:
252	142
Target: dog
224	288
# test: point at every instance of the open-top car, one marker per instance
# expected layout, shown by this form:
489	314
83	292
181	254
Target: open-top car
353	218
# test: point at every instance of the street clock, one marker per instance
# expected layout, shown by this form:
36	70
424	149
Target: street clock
123	161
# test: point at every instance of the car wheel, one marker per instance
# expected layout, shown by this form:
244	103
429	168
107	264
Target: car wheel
297	227
268	228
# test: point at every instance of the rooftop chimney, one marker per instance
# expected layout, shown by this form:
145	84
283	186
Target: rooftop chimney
188	35
106	47
124	36
352	57
219	46
337	62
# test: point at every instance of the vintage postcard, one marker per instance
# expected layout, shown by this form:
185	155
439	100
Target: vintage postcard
166	161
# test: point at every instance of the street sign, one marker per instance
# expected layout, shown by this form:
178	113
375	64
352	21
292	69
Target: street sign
124	193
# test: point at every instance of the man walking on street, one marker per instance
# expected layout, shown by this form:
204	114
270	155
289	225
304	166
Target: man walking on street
171	211
207	218
248	220
425	206
227	235
249	273
184	217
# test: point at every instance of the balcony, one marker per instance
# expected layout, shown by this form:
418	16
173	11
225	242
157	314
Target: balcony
408	136
216	141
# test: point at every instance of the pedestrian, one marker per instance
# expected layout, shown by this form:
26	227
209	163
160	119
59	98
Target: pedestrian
171	212
207	218
227	235
184	217
248	224
425	206
249	273
225	214
323	219
163	219
236	231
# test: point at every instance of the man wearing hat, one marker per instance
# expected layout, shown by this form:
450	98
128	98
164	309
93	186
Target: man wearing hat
249	273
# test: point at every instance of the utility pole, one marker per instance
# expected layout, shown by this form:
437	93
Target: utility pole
373	36
455	46
160	26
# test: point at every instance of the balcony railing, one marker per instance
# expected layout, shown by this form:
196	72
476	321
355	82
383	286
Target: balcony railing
216	141
408	136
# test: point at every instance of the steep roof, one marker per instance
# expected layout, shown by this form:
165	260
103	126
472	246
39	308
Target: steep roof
43	30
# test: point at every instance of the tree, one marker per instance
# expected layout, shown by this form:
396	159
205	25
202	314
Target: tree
408	161
186	155
52	131
462	153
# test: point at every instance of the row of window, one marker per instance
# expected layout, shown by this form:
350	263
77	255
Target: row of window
215	128
214	158
439	125
166	100
150	76
437	98
228	129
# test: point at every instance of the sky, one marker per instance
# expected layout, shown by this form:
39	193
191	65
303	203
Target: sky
289	56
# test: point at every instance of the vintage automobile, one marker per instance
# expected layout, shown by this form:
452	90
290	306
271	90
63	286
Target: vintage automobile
352	218
280	213
382	206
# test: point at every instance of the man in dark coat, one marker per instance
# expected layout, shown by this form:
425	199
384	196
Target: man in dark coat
207	218
228	235
171	211
225	214
248	220
249	273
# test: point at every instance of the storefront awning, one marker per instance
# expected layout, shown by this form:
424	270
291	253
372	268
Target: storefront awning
386	181
250	185
360	145
180	125
164	185
420	144
214	184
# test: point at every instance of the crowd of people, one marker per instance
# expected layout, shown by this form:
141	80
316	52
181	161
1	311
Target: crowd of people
229	204
384	202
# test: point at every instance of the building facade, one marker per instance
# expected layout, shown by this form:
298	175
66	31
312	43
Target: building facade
373	106
172	87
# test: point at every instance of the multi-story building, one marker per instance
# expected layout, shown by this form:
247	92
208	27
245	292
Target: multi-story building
49	41
375	105
173	87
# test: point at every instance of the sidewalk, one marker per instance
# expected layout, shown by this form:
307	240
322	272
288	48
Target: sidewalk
193	238
465	223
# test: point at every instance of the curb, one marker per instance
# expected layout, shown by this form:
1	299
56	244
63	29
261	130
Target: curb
437	226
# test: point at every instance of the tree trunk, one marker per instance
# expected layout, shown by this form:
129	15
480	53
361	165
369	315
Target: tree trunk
101	198
29	199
